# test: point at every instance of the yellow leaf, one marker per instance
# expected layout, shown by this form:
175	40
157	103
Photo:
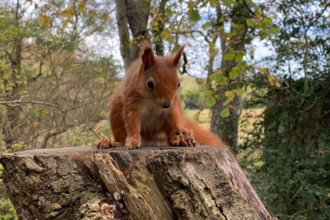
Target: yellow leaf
85	11
41	20
91	14
35	5
68	13
54	36
59	41
22	116
191	5
273	81
35	124
154	11
230	95
328	194
153	23
47	20
165	35
262	70
218	72
76	120
161	20
58	13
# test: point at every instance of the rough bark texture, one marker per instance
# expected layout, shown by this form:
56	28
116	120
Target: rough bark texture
227	128
149	183
135	14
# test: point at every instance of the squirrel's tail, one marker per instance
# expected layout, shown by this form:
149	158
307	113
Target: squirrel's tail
202	136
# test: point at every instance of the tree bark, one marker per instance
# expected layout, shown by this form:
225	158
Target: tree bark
136	15
227	128
14	59
150	183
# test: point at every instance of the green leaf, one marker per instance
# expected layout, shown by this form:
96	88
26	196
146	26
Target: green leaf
229	56
226	102
200	80
29	106
211	76
195	117
233	74
206	25
228	2
233	24
239	57
65	23
239	92
194	15
212	2
169	13
242	64
222	80
268	21
170	39
210	101
225	113
250	22
156	38
80	8
273	31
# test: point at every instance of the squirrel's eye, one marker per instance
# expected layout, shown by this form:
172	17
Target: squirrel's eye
150	84
179	85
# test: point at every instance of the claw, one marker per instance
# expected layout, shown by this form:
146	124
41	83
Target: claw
133	144
103	144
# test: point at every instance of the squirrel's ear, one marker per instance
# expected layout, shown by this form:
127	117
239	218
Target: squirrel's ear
178	55
147	55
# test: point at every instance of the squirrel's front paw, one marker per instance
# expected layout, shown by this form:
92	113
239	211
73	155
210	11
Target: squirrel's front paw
103	144
133	144
186	138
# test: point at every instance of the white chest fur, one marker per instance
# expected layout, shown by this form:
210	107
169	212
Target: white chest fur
152	117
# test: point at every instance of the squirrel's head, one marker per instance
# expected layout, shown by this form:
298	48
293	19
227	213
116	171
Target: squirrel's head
159	75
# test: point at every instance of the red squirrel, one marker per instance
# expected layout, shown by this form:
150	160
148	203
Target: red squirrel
146	106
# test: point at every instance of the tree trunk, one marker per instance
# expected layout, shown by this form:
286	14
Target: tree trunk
227	128
11	131
135	14
159	45
150	183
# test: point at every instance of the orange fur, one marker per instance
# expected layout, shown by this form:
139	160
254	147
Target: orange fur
153	115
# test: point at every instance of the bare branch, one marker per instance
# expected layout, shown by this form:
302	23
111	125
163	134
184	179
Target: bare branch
18	102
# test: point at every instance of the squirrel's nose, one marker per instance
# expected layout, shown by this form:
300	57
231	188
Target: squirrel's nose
166	104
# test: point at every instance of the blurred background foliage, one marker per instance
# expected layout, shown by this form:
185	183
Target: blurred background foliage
254	72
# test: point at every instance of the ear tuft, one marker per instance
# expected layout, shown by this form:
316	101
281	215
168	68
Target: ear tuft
177	56
147	55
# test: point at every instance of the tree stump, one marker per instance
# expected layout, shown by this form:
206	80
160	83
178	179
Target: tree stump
153	183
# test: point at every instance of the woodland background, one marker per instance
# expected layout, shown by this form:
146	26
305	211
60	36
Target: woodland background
255	72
